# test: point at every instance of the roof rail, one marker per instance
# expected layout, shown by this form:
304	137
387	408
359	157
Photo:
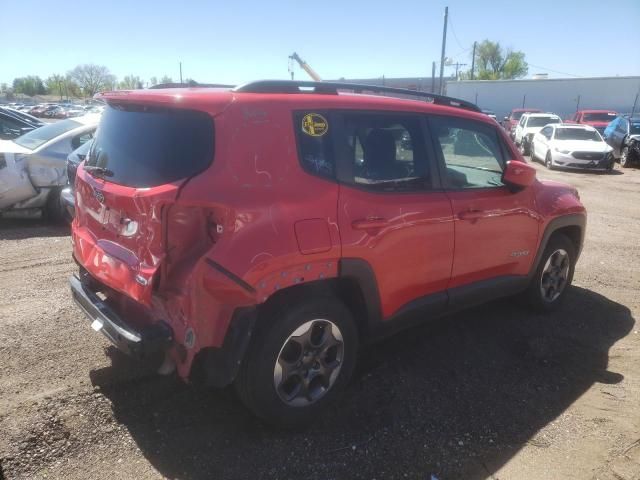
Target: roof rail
292	86
190	84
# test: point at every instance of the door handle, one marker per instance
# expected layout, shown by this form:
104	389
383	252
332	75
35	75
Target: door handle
471	214
369	223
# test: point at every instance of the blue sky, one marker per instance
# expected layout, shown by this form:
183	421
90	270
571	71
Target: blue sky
239	41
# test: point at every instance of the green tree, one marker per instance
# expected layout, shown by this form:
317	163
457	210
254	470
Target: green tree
55	85
492	62
3	87
130	82
29	85
71	87
153	81
91	78
166	79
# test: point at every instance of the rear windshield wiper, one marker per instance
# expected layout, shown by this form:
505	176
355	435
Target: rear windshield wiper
98	171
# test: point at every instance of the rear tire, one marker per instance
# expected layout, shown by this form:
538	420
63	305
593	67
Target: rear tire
553	276
299	361
54	210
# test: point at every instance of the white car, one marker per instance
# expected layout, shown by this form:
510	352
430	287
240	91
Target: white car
33	166
529	125
572	146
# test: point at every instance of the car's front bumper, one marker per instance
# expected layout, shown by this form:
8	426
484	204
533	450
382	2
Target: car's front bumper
136	342
568	161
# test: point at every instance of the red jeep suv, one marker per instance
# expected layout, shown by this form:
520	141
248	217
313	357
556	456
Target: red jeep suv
258	235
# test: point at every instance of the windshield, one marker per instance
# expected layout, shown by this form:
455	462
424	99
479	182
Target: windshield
146	147
599	117
541	121
42	135
577	134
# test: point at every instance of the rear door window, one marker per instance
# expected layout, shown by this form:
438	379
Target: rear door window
142	146
385	152
315	147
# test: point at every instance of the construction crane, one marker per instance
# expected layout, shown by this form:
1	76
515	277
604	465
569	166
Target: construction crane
304	65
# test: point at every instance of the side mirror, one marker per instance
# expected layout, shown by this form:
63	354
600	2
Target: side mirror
505	118
518	175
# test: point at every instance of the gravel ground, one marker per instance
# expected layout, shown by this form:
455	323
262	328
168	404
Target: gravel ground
495	392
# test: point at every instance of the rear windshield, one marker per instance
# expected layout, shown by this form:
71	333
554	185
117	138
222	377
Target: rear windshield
147	147
542	121
577	134
42	135
599	117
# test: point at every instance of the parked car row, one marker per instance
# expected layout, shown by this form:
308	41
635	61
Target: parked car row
53	110
14	123
620	134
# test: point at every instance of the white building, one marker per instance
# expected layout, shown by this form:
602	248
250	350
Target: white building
557	95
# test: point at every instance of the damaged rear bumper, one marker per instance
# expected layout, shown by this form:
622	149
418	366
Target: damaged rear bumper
135	342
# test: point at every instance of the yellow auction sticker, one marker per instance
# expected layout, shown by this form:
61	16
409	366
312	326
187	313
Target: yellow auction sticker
314	124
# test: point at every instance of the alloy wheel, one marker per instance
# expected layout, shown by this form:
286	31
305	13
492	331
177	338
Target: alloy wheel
554	275
308	363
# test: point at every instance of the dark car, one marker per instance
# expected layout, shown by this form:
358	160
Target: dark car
36	122
67	195
12	125
623	134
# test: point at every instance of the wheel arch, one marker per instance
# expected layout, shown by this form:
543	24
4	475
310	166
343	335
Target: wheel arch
573	226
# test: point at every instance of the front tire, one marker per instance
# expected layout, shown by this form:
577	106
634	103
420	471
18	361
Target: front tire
532	152
524	150
300	360
624	157
554	274
548	161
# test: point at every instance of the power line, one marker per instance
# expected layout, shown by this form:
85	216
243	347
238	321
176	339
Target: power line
554	71
453	30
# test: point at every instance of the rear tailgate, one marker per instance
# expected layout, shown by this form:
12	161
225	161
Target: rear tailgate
138	161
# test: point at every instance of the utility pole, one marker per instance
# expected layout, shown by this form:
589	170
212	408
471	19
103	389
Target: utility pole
524	99
578	103
444	46
433	77
458	65
473	60
180	73
635	103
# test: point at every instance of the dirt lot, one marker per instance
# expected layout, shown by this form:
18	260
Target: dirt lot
496	392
